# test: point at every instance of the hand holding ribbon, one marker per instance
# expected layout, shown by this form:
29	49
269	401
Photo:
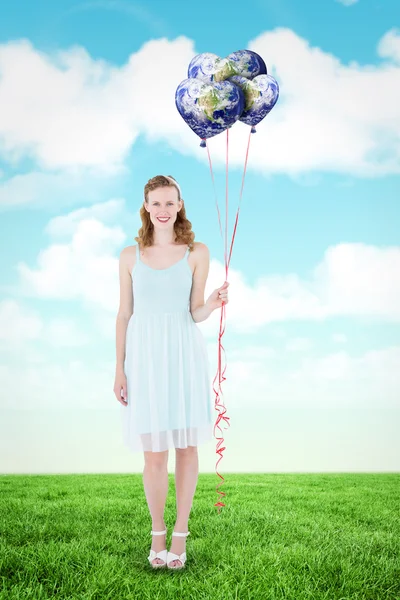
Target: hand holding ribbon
218	297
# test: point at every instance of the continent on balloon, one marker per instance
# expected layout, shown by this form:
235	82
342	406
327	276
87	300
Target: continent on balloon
261	95
209	108
220	91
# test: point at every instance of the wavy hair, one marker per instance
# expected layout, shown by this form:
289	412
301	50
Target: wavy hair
182	225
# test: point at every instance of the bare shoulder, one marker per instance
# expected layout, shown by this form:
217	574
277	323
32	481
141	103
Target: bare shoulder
200	260
128	257
127	253
200	249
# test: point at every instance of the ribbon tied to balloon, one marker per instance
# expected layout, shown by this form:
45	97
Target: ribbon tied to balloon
217	93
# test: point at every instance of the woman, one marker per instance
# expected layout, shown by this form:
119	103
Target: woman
162	378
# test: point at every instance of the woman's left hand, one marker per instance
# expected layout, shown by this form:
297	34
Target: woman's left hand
218	297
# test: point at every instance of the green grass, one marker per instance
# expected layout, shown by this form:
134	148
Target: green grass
291	536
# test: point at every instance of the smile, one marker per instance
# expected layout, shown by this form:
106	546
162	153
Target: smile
163	219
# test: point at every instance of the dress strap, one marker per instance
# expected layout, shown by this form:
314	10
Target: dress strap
187	252
137	253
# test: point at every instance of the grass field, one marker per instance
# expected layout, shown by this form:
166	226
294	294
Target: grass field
286	536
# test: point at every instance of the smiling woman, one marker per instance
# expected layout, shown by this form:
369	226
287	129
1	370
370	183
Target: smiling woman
165	361
162	378
164	203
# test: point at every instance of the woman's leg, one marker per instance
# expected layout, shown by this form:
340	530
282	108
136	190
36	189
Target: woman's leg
186	476
155	480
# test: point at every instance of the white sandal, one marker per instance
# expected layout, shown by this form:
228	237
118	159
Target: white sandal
182	557
162	554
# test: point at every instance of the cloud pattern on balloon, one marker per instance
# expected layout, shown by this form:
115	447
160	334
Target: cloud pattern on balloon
220	91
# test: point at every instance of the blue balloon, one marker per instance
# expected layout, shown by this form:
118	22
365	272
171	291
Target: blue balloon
261	95
209	108
248	64
209	67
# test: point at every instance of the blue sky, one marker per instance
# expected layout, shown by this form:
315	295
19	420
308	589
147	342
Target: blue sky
313	335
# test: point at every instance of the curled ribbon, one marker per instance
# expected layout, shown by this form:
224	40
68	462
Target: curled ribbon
222	363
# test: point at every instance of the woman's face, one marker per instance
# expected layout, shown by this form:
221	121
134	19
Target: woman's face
163	206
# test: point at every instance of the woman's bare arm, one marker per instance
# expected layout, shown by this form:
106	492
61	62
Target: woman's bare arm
125	310
200	311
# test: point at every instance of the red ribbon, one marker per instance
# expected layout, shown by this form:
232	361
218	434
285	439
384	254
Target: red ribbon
222	364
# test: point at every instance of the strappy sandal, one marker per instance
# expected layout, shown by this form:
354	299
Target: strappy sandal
182	557
162	554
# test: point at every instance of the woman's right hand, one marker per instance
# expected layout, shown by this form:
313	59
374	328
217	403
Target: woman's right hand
120	387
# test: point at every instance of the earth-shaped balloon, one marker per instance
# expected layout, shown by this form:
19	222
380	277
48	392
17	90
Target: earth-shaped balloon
210	67
248	64
261	95
209	108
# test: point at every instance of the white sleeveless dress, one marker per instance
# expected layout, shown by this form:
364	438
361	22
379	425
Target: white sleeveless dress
166	363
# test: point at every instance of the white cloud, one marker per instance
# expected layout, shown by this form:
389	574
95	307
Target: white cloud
68	385
20	190
108	212
255	377
351	280
339	338
252	353
65	333
372	379
256	374
389	45
84	269
53	190
299	344
337	380
29	188
328	118
19	326
82	112
88	113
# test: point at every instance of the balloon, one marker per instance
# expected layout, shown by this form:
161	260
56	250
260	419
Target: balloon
209	108
248	64
261	95
209	67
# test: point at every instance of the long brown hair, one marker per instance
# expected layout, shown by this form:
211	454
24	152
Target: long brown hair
182	226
